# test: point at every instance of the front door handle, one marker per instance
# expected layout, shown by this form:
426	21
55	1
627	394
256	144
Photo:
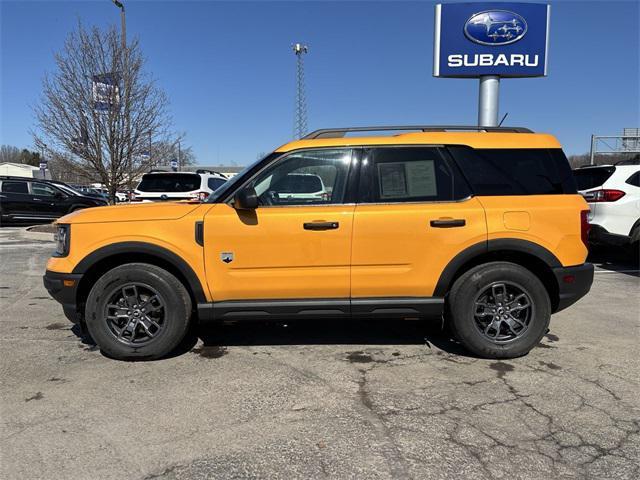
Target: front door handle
321	225
448	223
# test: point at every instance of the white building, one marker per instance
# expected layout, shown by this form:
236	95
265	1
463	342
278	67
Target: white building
21	170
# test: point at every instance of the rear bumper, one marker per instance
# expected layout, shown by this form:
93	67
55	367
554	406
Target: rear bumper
63	287
573	284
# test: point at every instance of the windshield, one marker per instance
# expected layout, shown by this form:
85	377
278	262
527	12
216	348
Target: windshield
230	184
67	188
169	182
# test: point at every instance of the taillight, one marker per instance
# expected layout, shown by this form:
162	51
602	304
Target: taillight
201	196
605	195
584	227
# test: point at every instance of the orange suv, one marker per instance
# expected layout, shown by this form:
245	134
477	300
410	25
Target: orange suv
480	225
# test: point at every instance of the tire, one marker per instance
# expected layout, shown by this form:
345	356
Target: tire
510	335
161	314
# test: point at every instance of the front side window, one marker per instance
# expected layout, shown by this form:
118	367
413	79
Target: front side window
42	190
9	186
310	177
409	174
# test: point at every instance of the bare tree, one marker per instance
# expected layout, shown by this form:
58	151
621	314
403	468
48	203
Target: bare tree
99	107
11	154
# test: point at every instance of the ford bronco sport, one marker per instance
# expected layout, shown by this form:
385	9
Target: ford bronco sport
480	226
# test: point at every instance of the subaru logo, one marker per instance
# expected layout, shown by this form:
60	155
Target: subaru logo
495	27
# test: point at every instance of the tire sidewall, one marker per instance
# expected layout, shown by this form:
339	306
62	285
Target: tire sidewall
176	319
478	280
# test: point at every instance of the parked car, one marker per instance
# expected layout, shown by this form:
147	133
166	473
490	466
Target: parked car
613	194
300	187
91	192
161	186
483	227
30	200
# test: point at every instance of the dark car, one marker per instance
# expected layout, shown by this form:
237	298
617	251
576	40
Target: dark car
32	200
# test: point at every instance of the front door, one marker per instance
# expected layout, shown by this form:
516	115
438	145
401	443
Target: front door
414	215
297	244
49	201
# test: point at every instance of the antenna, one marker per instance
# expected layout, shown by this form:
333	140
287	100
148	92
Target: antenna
300	115
503	119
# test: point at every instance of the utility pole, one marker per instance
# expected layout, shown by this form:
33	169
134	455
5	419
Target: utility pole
300	118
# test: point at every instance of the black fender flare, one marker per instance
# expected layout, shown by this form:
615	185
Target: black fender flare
495	245
149	249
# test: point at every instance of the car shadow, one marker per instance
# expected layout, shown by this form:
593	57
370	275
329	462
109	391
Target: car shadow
615	259
321	332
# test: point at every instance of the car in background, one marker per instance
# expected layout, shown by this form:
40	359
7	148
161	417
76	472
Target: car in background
613	195
30	200
300	187
158	185
91	192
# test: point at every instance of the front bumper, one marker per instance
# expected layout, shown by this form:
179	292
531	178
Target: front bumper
573	284
63	287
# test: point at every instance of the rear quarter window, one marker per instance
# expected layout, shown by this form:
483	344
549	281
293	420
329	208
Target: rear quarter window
511	171
634	179
11	186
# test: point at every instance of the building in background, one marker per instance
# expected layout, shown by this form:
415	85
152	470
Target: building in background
22	170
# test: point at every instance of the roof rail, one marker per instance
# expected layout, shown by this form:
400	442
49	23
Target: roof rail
341	132
156	170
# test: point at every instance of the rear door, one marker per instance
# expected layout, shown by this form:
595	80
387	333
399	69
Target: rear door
15	199
415	213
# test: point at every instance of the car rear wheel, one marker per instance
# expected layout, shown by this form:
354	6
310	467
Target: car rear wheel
138	311
499	310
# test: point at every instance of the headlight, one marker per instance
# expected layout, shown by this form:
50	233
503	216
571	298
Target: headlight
62	238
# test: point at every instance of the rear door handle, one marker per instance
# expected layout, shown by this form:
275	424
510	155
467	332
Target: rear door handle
448	223
321	225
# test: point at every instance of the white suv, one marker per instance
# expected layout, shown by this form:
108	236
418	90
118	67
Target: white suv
300	187
159	185
613	194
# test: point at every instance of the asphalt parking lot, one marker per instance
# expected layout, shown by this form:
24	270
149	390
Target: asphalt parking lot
320	400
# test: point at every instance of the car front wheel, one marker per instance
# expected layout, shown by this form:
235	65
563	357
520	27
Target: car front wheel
138	311
499	310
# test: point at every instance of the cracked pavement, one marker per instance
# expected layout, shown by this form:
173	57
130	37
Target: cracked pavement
317	400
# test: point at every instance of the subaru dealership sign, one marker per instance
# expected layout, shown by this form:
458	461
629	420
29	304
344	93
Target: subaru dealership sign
504	39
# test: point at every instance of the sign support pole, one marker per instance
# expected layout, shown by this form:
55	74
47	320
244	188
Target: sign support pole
488	100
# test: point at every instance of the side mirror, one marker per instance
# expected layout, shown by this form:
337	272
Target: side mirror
246	199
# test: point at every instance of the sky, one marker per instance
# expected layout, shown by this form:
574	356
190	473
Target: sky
229	72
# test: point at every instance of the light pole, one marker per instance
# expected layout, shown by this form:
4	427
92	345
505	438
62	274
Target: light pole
123	23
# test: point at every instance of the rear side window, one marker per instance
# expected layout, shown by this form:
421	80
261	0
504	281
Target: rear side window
587	178
9	186
634	179
410	174
214	183
169	182
511	171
